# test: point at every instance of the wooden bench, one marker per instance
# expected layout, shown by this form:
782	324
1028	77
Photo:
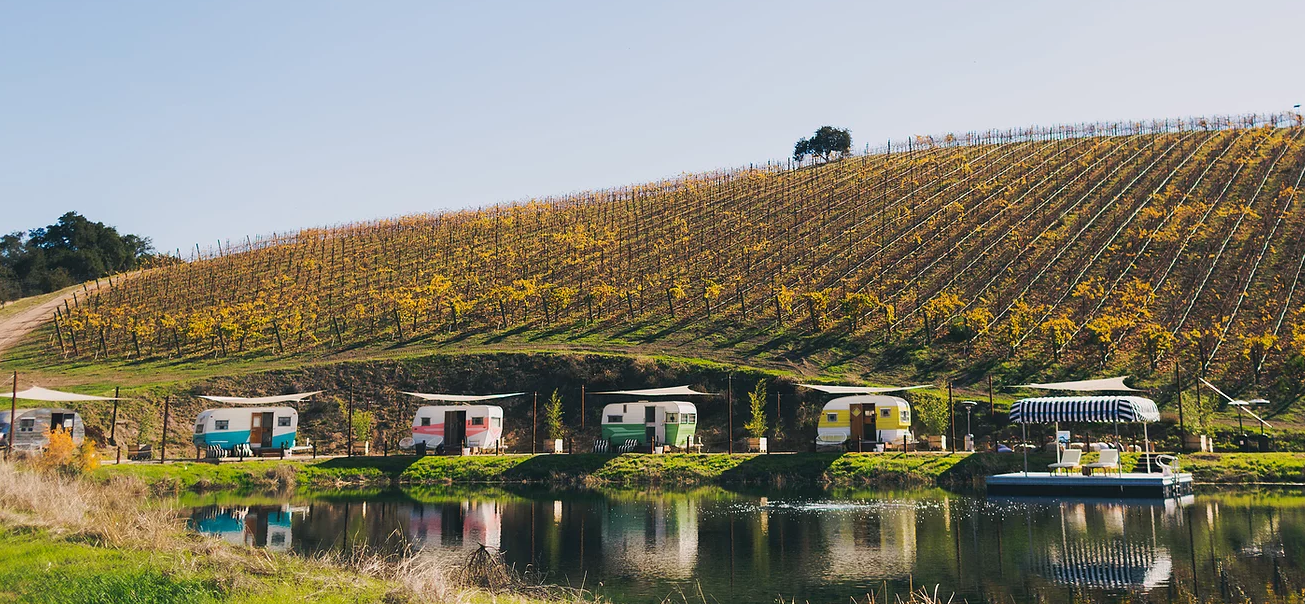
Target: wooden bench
139	452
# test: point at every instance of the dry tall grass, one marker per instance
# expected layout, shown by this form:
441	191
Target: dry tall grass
122	513
115	514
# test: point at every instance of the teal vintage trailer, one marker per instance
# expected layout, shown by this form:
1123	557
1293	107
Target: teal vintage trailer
258	427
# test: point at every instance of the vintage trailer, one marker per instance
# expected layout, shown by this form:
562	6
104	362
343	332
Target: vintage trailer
458	426
34	425
258	427
866	417
660	423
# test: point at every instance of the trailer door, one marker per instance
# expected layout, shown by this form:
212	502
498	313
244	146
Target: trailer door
266	441
256	429
455	430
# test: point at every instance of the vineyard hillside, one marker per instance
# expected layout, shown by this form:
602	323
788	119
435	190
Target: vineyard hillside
1072	250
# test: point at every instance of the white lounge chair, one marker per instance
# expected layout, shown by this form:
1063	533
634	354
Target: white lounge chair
1068	461
1109	460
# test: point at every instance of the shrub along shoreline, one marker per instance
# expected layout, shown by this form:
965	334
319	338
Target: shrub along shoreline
798	469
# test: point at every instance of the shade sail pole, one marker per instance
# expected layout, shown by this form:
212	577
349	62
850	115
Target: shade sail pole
13	418
1146	447
1057	439
1118	446
1024	444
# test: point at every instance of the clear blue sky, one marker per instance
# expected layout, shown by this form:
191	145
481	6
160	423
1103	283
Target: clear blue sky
193	121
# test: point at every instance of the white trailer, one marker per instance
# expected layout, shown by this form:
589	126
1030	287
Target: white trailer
458	426
35	425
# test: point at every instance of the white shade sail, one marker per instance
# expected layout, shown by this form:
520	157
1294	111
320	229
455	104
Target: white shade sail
37	393
859	389
461	398
1114	384
260	400
670	391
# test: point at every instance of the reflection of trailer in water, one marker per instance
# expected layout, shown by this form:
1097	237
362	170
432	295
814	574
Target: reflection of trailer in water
267	526
466	524
665	538
882	542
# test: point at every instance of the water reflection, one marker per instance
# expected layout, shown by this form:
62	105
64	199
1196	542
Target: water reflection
266	526
819	547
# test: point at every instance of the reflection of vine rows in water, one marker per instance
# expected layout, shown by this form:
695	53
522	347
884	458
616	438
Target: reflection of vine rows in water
1107	227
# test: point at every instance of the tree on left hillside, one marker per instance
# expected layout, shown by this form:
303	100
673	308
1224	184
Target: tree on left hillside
70	251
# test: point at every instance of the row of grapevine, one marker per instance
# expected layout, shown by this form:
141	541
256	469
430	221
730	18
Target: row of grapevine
1094	243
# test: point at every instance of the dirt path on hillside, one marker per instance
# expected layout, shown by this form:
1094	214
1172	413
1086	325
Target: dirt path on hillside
14	327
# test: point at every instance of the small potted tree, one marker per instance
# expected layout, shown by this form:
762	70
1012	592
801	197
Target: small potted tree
553	421
363	422
756	426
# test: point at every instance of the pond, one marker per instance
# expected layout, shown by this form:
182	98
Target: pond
641	545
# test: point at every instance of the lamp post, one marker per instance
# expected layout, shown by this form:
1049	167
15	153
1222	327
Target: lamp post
1259	402
1239	405
969	432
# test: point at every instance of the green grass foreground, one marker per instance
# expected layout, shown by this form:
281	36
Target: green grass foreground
38	566
834	469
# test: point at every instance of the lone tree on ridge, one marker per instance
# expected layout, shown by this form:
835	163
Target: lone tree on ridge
827	142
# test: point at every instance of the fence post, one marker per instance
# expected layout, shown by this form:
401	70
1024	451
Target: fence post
163	441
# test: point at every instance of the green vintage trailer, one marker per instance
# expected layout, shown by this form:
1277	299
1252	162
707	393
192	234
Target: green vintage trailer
651	423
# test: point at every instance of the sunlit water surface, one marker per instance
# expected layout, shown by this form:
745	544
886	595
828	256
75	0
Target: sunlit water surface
754	546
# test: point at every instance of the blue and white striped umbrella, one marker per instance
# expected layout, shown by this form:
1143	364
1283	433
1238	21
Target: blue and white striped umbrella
1104	409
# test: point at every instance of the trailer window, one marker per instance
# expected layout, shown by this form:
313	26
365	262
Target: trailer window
477	421
199	428
833	417
672	418
221	424
425	421
26	425
885	412
283	422
615	419
906	416
689	418
498	422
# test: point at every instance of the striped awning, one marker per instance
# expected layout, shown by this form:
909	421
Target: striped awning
1048	409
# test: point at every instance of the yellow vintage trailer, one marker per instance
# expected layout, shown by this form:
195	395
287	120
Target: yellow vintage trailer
867	417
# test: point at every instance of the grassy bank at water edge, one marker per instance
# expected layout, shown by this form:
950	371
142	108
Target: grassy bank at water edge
838	469
843	469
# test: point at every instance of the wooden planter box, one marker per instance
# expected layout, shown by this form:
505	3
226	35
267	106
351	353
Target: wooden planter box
936	443
757	445
362	448
1198	443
